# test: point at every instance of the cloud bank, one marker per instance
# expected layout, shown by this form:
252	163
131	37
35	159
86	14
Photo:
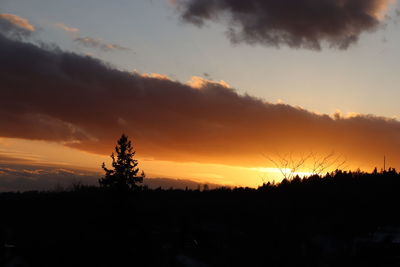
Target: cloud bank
295	23
86	104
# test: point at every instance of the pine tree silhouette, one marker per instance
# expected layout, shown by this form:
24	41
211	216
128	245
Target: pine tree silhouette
124	174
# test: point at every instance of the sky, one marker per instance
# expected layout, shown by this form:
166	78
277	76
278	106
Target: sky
216	91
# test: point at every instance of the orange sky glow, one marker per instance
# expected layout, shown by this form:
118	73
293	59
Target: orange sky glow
66	109
42	153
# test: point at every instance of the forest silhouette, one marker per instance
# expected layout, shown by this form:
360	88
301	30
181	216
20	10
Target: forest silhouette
340	219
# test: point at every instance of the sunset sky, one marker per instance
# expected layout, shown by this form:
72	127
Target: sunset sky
208	90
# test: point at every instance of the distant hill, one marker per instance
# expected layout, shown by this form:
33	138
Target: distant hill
43	178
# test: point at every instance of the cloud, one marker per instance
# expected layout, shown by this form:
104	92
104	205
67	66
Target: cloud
199	82
86	104
22	158
15	26
153	75
298	24
66	28
97	43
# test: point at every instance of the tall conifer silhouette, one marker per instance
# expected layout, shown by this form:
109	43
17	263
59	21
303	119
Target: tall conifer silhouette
124	173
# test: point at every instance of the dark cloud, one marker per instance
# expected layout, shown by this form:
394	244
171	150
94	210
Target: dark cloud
86	104
96	43
295	23
15	27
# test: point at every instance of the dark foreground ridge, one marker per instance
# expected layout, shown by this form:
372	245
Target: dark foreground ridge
342	219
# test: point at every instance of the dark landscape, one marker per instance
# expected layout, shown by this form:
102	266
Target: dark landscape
199	133
341	219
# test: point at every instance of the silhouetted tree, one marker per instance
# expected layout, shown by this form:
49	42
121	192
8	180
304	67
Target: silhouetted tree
289	165
322	163
124	174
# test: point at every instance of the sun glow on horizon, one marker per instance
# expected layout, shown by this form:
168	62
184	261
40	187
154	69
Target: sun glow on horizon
38	153
285	172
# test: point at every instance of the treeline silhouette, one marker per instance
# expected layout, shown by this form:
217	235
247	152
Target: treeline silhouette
340	219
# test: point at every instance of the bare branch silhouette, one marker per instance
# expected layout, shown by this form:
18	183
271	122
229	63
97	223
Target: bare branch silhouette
289	166
329	161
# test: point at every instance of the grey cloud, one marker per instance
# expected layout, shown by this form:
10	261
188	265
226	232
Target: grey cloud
295	23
